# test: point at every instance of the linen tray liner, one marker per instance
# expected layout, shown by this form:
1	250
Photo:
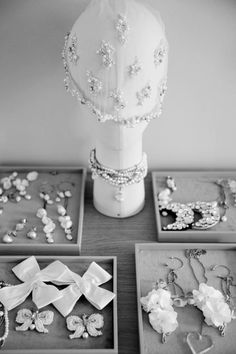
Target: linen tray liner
152	268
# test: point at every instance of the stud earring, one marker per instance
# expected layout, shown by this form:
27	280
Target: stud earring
85	325
32	234
33	320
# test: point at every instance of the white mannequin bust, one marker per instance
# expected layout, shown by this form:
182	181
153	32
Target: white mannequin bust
115	60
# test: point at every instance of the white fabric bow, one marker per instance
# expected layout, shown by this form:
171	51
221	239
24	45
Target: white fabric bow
33	279
87	285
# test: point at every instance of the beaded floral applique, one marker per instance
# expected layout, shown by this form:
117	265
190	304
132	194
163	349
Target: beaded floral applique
144	94
106	52
95	85
119	102
122	29
134	68
160	53
72	50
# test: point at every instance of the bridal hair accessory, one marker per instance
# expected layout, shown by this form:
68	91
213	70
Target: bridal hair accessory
34	281
85	326
118	178
159	306
87	285
104	75
33	320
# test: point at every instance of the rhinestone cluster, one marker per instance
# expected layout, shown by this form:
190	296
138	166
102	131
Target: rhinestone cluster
106	52
184	216
72	50
95	85
122	28
210	214
160	53
144	94
135	68
118	100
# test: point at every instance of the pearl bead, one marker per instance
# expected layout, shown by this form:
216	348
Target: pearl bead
32	326
27	197
224	218
7	239
85	335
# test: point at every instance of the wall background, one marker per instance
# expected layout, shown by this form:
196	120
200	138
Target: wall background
41	123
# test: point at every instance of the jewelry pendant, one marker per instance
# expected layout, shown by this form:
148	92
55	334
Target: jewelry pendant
210	214
119	195
184	216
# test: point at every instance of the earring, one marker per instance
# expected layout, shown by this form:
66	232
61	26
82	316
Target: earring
159	306
8	237
65	221
46	191
85	325
196	253
64	192
226	284
32	234
49	224
33	320
172	275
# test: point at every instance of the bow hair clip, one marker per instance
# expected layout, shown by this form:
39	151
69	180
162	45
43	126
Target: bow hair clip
34	320
33	279
87	285
85	326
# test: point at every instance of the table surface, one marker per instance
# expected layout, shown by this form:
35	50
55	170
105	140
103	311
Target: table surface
105	236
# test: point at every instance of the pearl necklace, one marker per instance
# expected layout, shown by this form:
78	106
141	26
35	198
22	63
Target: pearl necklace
4	318
118	178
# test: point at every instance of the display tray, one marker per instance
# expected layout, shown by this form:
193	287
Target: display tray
72	178
150	267
57	340
191	187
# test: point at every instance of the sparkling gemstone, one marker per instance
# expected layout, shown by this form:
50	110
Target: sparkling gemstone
7	239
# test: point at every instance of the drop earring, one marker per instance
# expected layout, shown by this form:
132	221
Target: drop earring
172	275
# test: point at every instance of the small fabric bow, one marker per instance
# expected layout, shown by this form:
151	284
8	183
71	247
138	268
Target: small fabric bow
87	285
33	280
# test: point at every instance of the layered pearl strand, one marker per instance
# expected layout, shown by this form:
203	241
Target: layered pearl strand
4	318
118	178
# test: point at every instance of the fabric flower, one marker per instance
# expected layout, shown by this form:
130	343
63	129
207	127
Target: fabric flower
163	321
212	303
156	297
